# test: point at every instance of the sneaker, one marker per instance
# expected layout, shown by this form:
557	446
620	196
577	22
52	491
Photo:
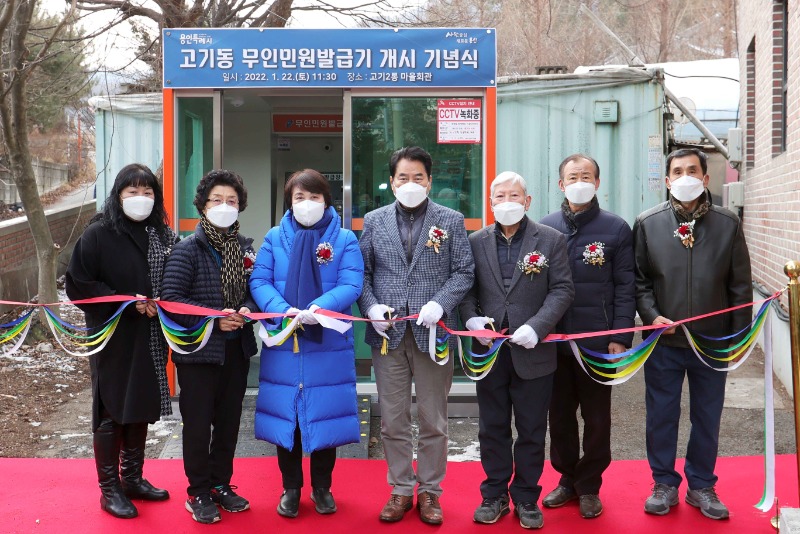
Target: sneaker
491	510
529	515
203	509
228	499
659	502
706	499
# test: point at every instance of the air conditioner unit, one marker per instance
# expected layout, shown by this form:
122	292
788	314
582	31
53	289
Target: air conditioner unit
733	195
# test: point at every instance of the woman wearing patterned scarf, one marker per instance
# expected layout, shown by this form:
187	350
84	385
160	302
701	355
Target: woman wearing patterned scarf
307	399
122	251
210	269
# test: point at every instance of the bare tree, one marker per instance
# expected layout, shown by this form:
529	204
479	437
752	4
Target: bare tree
17	66
543	33
223	14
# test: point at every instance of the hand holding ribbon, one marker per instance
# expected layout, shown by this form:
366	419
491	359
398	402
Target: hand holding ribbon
430	314
663	320
146	306
479	323
378	312
525	337
234	321
307	316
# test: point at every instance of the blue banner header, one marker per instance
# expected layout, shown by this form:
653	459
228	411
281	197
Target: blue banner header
269	57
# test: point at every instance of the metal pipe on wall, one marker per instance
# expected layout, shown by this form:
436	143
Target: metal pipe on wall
792	270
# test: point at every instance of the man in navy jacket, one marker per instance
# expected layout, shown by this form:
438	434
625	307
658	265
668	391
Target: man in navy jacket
600	249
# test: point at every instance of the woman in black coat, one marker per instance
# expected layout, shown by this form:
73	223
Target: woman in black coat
211	269
122	252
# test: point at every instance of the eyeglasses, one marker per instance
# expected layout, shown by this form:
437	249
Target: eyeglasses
217	201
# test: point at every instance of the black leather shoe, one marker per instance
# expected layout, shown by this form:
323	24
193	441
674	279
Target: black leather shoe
323	500
559	497
591	506
114	501
290	503
143	490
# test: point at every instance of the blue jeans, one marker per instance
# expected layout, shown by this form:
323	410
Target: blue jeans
664	373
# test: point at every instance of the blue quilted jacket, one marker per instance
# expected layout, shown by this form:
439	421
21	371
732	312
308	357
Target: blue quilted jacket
316	386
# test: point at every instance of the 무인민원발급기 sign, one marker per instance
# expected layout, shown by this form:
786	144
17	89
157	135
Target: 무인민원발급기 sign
270	57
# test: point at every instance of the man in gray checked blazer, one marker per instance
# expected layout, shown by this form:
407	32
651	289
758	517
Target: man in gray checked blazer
417	260
523	283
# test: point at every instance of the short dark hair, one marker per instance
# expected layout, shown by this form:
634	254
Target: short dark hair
413	153
215	178
308	180
576	157
684	152
136	175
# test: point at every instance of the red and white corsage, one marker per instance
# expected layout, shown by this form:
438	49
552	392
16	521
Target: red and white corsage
685	233
533	263
594	254
436	236
249	261
324	253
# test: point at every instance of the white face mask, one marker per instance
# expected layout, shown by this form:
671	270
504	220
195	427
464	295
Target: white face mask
137	208
686	188
411	195
508	213
307	212
579	193
222	216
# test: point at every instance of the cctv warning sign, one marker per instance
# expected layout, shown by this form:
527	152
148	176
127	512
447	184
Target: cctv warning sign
459	121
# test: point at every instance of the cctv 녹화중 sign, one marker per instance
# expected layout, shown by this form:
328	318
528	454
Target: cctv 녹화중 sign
270	57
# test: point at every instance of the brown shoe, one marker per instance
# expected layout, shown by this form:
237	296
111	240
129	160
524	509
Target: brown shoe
395	509
429	510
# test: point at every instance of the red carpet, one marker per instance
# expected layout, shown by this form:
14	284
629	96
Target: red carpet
44	496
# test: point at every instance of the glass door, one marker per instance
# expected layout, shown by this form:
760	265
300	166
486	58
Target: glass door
381	125
198	151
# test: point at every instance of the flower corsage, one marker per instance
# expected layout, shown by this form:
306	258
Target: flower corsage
249	261
532	263
324	253
436	236
685	233
594	254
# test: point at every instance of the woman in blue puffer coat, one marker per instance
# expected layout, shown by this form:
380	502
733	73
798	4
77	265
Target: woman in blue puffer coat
307	400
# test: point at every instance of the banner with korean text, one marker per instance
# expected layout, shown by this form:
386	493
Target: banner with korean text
364	57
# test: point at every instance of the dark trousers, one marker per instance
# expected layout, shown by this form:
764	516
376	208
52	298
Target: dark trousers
664	373
291	465
573	389
211	408
499	393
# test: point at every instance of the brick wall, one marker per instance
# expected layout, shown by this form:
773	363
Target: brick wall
771	174
18	267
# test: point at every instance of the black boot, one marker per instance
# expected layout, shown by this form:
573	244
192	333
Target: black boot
107	440
134	436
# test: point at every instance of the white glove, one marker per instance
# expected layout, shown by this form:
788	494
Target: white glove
376	313
307	316
479	323
430	314
292	311
525	337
